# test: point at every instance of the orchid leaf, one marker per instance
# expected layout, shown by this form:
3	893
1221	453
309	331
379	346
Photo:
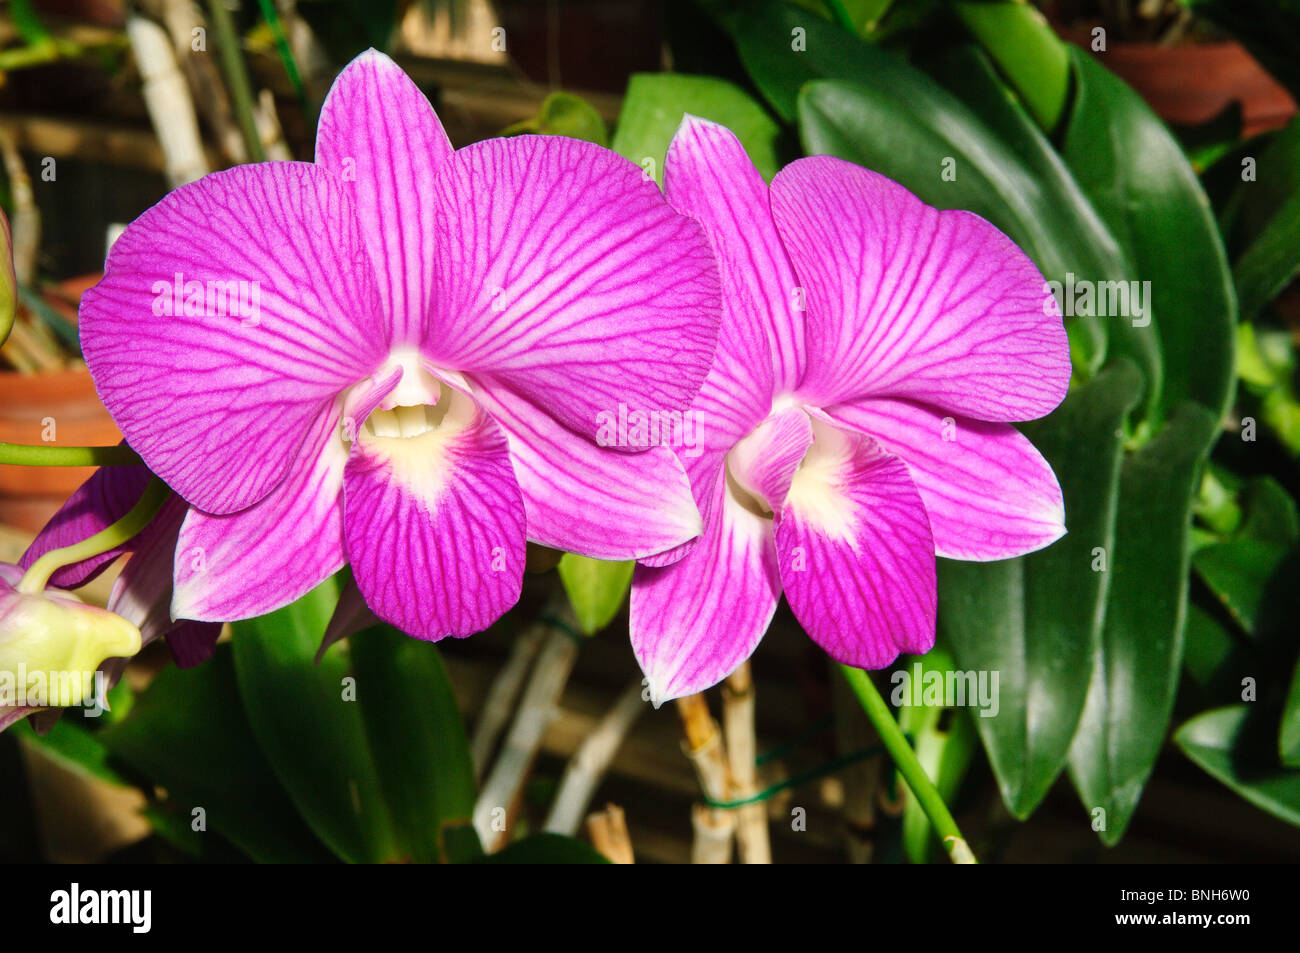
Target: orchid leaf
1238	573
1142	185
1037	620
654	107
307	721
1139	658
596	588
72	746
417	736
188	734
1235	746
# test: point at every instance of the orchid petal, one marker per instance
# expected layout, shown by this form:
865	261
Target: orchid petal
434	524
907	301
988	492
692	623
193	643
709	176
380	136
857	559
219	405
764	463
566	276
586	499
264	557
97	504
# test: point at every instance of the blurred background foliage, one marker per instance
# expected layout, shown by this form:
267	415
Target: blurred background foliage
1154	647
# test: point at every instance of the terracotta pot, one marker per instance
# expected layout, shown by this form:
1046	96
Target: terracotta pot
30	404
1192	83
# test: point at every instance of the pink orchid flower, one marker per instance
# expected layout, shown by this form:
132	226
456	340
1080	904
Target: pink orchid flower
411	378
857	416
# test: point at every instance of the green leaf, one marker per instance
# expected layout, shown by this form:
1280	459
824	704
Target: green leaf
1272	260
654	107
1288	738
1139	658
546	849
595	587
1238	573
417	736
73	746
1028	53
188	734
563	114
308	728
1271	514
1142	185
1235	745
1212	655
1037	620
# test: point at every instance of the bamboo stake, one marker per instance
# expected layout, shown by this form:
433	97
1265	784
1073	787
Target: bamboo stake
608	832
752	839
167	97
589	763
184	21
501	697
703	746
499	797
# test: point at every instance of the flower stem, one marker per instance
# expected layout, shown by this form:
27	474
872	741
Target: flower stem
908	765
38	575
27	455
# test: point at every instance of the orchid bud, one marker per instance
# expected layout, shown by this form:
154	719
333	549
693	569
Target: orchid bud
52	643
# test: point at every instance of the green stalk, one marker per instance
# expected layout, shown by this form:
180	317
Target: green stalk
37	577
241	90
1028	54
896	744
26	455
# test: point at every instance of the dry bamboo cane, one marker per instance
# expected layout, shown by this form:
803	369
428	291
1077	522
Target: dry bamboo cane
502	694
167	97
752	839
608	832
589	763
499	797
713	826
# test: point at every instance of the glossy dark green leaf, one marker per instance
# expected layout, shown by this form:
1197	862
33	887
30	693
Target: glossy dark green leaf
656	102
417	737
188	734
546	849
309	725
1037	620
595	587
1142	185
1214	655
1139	658
1271	514
1235	745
